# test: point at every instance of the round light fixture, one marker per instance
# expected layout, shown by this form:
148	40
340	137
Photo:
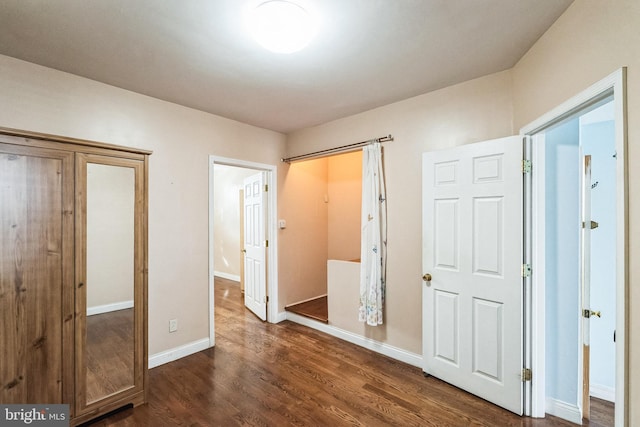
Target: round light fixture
282	26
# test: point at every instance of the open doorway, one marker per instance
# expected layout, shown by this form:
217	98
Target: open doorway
581	354
228	181
580	261
336	183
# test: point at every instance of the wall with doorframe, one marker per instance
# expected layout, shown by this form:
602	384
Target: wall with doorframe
472	111
588	42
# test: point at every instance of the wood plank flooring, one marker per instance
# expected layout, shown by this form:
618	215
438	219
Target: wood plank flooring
316	309
260	374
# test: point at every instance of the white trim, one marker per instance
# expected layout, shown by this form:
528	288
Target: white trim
178	352
281	317
564	410
622	249
614	84
212	333
538	365
107	308
602	392
305	300
228	276
272	235
382	348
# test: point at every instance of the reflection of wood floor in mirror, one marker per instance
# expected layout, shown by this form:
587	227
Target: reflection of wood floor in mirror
109	353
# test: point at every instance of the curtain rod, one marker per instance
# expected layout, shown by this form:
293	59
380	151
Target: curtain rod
335	150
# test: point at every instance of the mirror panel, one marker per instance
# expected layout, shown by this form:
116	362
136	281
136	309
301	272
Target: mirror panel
110	280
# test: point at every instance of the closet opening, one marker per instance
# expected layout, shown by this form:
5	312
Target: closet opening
334	185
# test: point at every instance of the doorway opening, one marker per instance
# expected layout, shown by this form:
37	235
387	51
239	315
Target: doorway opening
334	187
573	255
228	183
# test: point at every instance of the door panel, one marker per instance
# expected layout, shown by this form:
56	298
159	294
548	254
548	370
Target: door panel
446	327
110	265
488	230
255	246
36	274
488	344
472	247
446	244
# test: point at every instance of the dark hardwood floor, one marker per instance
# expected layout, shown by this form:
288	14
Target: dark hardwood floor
261	374
315	309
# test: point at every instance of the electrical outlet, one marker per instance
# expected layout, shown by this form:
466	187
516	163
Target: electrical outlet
173	325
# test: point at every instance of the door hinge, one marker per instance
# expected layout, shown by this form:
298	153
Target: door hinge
526	166
526	270
266	299
594	225
527	375
266	188
266	243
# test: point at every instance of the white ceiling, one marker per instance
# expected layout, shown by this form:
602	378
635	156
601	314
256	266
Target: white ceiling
195	53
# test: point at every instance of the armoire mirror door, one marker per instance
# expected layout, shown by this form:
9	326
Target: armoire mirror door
109	277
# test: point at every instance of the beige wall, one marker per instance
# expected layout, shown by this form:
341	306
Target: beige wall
45	100
473	111
321	203
345	199
588	42
302	250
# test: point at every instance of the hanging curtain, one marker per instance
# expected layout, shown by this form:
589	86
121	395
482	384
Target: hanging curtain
373	262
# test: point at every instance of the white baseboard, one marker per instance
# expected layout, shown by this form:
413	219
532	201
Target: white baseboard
306	300
107	308
563	410
282	316
602	392
178	352
228	276
382	348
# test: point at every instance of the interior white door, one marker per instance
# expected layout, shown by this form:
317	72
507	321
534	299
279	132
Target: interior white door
585	278
472	249
255	275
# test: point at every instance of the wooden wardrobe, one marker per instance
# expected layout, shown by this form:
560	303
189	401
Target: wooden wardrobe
73	273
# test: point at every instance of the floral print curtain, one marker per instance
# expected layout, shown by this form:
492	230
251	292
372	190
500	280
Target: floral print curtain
373	246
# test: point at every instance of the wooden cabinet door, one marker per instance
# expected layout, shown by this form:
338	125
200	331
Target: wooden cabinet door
111	263
36	274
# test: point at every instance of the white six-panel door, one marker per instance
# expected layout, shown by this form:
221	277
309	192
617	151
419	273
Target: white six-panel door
472	248
255	285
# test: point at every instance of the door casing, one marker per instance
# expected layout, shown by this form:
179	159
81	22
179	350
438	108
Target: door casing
613	85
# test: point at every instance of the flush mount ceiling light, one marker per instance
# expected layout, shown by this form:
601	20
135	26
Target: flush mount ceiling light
282	26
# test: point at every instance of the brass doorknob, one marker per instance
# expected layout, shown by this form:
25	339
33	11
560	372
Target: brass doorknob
426	277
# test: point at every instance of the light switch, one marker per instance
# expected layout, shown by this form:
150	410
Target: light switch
282	224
